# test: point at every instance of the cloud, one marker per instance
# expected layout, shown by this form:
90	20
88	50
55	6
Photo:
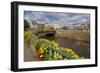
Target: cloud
59	18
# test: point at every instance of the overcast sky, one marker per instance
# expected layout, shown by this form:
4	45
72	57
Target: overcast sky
62	19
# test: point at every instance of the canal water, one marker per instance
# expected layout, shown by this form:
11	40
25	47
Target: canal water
79	47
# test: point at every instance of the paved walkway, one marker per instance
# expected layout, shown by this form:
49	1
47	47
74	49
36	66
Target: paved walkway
28	56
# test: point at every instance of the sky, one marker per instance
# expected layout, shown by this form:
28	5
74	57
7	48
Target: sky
61	18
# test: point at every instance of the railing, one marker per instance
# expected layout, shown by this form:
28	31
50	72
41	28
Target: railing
48	51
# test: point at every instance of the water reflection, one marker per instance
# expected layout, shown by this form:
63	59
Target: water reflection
80	47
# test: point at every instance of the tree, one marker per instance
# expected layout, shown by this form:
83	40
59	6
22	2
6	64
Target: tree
26	25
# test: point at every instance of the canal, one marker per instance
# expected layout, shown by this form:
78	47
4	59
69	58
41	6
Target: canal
82	48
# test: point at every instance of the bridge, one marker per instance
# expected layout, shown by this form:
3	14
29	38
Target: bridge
43	33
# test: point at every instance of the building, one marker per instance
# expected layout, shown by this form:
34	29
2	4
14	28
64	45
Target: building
56	26
36	25
46	26
79	26
52	26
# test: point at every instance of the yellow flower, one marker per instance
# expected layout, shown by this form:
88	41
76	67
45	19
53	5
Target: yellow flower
82	57
41	50
65	58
